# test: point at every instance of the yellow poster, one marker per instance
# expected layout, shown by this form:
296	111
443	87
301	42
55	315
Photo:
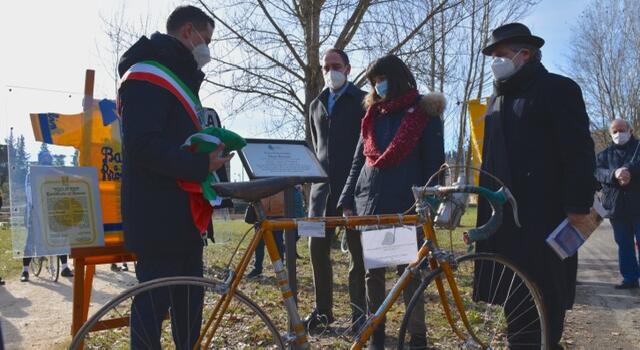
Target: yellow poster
477	111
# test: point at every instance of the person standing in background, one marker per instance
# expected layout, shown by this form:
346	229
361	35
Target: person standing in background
334	122
618	171
273	208
401	145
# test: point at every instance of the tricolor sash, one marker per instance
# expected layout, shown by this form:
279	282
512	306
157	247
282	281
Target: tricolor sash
158	74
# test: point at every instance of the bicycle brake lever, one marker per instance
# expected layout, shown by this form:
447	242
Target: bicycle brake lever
514	205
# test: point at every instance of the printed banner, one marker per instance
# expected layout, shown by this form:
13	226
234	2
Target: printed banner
477	111
63	210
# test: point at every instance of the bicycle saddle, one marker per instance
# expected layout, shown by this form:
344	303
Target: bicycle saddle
253	191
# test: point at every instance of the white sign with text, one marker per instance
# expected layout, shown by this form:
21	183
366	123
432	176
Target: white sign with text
311	228
389	246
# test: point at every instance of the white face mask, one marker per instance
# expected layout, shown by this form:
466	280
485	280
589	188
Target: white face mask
201	53
503	67
334	79
620	138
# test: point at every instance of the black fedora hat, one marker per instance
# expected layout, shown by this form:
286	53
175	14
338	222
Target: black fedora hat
512	33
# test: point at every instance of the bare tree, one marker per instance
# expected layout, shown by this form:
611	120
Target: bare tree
121	33
605	62
479	17
267	52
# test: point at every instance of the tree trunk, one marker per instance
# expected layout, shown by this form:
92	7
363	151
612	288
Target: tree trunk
313	71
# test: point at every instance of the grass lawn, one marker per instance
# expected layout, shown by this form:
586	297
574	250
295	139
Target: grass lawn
9	267
263	290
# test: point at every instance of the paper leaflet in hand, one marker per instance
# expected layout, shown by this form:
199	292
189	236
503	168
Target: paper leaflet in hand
202	196
566	238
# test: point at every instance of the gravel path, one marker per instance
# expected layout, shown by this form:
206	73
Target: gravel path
603	317
37	314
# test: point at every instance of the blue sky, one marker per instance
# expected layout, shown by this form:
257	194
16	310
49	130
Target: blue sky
49	44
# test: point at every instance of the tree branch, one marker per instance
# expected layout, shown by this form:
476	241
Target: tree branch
243	39
282	35
352	24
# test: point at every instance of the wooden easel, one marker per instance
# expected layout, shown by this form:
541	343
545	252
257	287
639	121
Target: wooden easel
86	259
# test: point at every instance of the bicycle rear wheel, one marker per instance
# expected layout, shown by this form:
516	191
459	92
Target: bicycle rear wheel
243	326
503	306
36	265
52	265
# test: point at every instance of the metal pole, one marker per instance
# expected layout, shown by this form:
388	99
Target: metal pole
290	240
290	249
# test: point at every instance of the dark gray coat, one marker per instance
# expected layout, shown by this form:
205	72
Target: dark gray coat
370	190
620	201
155	211
334	140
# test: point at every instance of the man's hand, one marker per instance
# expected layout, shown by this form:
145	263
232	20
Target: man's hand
347	212
215	161
579	220
623	176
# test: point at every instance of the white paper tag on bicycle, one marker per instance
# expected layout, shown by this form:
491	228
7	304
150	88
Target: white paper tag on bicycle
389	247
311	228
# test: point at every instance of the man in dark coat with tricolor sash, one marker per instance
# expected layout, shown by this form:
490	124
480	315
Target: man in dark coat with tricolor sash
537	141
160	109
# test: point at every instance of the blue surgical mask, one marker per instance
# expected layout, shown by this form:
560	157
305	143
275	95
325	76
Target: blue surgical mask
381	88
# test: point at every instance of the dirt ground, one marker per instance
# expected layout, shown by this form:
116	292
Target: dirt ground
37	315
602	317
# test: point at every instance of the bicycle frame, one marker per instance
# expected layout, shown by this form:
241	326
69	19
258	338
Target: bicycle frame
429	251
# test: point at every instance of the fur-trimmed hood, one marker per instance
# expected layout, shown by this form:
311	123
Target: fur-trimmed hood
433	103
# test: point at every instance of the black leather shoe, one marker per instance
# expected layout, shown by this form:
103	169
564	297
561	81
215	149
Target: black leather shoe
24	277
626	285
317	319
115	268
125	267
254	274
418	341
66	272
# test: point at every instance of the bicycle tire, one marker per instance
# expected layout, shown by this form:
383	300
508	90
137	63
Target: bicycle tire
36	265
501	336
212	285
53	267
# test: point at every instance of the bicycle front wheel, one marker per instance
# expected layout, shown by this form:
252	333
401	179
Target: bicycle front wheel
503	307
169	313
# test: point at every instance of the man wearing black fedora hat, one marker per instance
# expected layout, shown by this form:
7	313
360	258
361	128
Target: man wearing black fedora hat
537	141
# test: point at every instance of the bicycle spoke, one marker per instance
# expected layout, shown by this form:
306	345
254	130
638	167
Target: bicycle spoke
499	303
244	324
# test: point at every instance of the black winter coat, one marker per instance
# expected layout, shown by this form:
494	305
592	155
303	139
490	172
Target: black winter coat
537	141
156	214
625	200
371	190
334	140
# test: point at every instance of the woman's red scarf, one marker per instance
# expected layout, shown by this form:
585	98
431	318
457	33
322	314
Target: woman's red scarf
407	136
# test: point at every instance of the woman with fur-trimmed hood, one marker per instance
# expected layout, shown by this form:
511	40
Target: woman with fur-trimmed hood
401	145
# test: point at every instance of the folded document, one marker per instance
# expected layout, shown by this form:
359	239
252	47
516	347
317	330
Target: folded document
566	238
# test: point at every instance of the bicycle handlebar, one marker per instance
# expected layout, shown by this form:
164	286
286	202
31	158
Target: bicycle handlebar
496	199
